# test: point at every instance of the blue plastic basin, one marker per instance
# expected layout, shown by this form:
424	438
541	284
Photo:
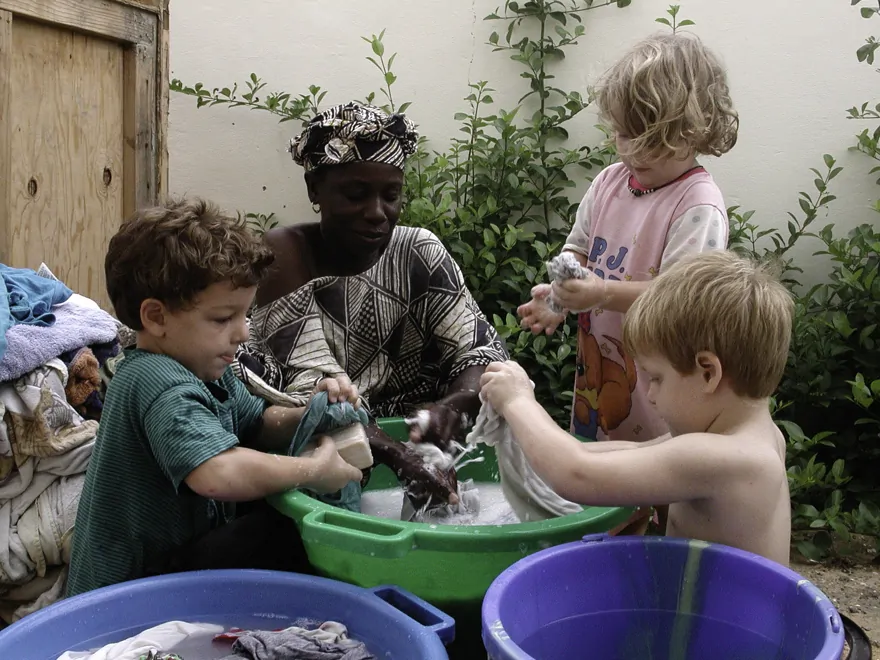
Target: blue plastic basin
652	598
394	624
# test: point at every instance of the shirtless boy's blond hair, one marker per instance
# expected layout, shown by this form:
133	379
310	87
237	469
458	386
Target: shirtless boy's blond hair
719	302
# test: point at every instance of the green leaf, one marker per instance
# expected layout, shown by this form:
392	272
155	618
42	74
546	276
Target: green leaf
623	3
810	550
665	21
378	47
686	22
840	528
870	512
867	12
808	511
841	324
540	343
829	161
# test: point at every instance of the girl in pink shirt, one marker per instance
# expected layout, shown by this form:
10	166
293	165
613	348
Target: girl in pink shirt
667	101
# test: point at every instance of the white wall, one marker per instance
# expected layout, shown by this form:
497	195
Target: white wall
791	63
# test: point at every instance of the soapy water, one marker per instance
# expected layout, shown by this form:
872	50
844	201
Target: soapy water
482	504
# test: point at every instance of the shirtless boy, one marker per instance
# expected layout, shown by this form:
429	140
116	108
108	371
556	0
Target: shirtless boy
712	334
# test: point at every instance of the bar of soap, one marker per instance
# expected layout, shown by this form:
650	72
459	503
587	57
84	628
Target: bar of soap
351	443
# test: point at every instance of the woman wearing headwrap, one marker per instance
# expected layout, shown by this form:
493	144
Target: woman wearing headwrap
356	295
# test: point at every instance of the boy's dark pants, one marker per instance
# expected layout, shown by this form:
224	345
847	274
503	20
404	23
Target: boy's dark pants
260	538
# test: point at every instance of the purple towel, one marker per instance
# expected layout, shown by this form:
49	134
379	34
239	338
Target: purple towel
78	322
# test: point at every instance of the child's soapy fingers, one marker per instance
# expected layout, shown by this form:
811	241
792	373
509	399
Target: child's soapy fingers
541	291
333	471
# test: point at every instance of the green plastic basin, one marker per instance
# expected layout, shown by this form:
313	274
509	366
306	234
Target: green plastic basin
447	565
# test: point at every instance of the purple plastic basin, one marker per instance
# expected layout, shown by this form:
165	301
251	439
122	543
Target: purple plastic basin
656	598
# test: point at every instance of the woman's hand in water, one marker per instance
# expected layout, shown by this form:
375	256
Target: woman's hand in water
504	383
339	389
536	316
420	480
440	424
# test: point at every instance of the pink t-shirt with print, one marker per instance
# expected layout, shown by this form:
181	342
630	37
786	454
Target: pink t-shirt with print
625	236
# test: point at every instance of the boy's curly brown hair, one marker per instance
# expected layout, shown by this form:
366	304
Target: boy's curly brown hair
669	95
174	252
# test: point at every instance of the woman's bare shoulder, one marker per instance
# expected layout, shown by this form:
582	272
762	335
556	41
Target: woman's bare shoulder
291	269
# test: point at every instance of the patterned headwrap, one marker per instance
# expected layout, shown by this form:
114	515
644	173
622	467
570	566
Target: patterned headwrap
354	132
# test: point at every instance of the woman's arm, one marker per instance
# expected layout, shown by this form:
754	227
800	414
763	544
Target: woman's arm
463	395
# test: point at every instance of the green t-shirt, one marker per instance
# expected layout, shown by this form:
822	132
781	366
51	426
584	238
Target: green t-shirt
159	423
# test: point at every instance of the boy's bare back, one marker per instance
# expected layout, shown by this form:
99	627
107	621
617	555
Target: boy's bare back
752	513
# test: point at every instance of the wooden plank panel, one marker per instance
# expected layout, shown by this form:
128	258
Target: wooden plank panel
67	114
5	129
163	87
139	128
156	6
100	17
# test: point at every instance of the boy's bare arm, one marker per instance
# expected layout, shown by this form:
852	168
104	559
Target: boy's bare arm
242	475
617	445
279	426
675	470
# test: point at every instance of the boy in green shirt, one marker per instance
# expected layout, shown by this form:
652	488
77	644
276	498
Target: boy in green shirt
180	437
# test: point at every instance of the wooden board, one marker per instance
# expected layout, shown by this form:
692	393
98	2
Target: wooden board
67	114
99	17
5	127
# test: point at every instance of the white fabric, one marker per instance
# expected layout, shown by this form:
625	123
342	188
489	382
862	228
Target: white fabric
160	638
529	496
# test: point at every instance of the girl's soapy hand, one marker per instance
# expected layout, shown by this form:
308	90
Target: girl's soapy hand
339	389
580	295
536	315
504	383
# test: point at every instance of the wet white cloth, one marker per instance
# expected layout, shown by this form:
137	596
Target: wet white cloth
160	638
329	641
529	496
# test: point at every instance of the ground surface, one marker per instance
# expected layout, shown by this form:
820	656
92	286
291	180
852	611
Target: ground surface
852	582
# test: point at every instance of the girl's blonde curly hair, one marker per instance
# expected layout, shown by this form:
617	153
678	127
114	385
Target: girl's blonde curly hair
669	95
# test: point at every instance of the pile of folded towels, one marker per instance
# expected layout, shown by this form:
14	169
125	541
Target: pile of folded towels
56	349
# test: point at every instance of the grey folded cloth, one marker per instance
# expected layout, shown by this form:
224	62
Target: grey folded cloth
330	641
